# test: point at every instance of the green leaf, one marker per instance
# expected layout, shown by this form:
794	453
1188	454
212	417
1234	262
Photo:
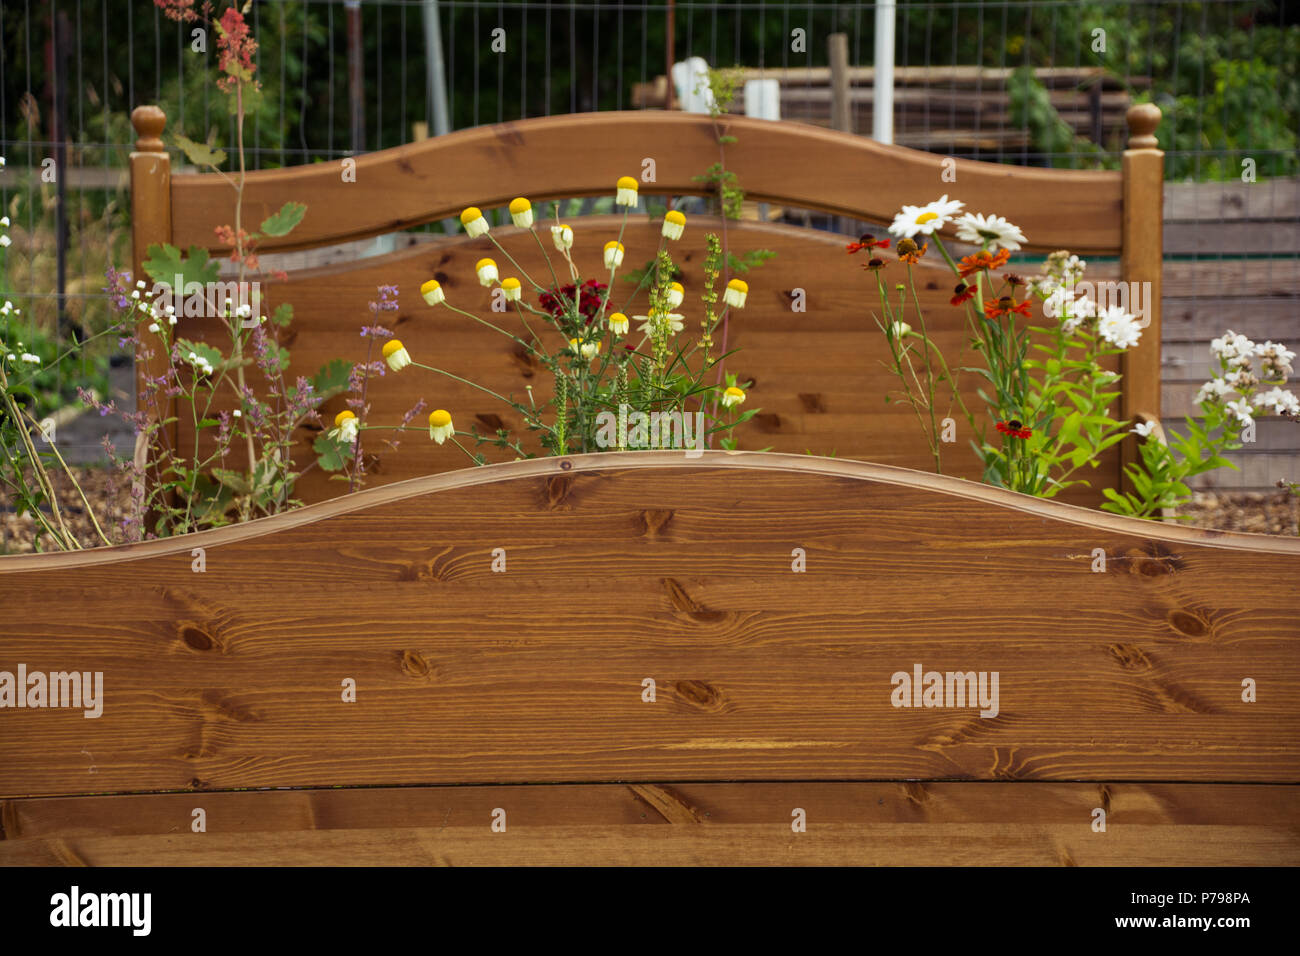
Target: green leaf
209	423
284	221
164	263
236	482
331	453
200	154
332	379
283	314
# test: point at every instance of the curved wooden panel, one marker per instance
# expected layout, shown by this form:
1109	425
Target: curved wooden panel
584	154
818	374
652	565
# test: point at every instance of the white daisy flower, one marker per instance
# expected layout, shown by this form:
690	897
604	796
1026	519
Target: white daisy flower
512	288
1118	327
618	323
676	295
674	224
926	219
899	329
736	293
1143	429
440	426
676	322
346	426
992	231
487	272
562	236
395	355
613	254
588	350
733	396
432	292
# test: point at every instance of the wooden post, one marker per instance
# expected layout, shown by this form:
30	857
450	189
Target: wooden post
837	49
1141	260
151	222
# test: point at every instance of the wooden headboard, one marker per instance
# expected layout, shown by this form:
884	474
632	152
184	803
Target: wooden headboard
817	374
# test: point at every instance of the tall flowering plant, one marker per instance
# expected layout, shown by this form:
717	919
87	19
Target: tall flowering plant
620	382
1230	402
1044	386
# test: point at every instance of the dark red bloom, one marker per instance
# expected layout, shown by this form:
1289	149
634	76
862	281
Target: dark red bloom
1014	428
588	303
962	293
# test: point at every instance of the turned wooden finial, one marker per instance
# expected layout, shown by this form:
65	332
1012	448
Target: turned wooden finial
1143	118
148	122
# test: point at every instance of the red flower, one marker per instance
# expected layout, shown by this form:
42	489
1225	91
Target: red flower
588	302
236	47
868	242
1014	428
1006	305
962	293
982	260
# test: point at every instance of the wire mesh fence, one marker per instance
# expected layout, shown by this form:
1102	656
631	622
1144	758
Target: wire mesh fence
1042	83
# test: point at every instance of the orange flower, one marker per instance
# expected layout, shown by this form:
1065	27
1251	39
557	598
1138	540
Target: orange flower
962	293
908	251
868	242
1006	305
983	260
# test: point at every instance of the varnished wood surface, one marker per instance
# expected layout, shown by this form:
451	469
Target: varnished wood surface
657	824
818	374
584	154
653	566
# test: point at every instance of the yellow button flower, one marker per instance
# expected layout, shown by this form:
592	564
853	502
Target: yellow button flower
674	224
618	323
487	272
676	295
474	222
626	195
521	213
613	255
562	236
346	425
737	292
396	355
511	287
440	426
432	292
588	350
733	396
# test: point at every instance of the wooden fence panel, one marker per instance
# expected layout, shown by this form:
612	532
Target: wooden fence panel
652	565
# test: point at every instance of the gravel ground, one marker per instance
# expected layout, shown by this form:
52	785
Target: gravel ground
1263	513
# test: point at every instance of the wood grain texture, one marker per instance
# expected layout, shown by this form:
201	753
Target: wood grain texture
819	375
659	824
652	565
584	154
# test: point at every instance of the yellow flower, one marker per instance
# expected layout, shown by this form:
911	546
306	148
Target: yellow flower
562	235
676	295
487	272
474	222
521	212
510	286
396	355
626	195
737	292
613	254
440	426
674	224
432	292
345	427
733	396
588	350
618	323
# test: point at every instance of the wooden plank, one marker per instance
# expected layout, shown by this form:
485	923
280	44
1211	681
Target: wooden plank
686	824
1214	203
490	165
655	565
825	396
1231	276
1195	321
1268	237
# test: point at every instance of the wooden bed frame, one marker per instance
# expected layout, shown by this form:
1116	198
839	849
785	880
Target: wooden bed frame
641	659
817	374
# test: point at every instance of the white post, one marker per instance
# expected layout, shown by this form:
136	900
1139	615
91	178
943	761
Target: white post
882	110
